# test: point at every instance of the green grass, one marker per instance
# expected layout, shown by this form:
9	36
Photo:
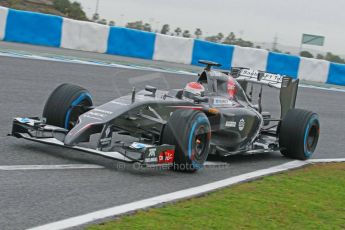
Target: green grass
307	198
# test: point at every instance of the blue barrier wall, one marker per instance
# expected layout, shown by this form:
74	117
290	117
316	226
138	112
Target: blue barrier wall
336	74
220	53
33	28
46	30
283	64
132	43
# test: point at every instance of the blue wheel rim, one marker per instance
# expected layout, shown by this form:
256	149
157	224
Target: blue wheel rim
77	101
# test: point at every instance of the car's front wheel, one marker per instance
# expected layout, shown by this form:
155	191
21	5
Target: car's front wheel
65	104
190	132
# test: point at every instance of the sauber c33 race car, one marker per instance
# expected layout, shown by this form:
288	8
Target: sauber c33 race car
178	128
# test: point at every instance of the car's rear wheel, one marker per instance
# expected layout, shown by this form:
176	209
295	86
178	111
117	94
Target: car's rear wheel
65	104
190	132
299	134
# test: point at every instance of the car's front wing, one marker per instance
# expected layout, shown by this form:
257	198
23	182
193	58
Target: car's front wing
147	155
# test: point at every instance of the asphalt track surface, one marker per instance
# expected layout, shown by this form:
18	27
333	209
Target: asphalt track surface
32	198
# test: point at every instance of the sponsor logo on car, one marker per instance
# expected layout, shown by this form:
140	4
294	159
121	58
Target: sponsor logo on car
97	114
151	160
230	124
107	132
103	111
241	124
137	145
221	101
92	117
152	152
105	140
166	156
119	103
26	120
23	120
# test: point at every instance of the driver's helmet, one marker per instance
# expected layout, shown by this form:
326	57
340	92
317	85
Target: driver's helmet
193	89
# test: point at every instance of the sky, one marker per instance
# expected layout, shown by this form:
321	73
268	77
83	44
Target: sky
254	20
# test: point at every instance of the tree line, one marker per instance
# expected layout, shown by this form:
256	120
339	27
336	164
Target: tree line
328	56
70	9
197	33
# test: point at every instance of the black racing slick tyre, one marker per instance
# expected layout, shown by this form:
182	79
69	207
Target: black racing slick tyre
65	104
190	132
299	133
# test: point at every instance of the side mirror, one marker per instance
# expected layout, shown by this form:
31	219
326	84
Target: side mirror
199	99
151	89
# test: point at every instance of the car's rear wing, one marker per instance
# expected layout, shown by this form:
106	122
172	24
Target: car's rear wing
287	85
258	77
